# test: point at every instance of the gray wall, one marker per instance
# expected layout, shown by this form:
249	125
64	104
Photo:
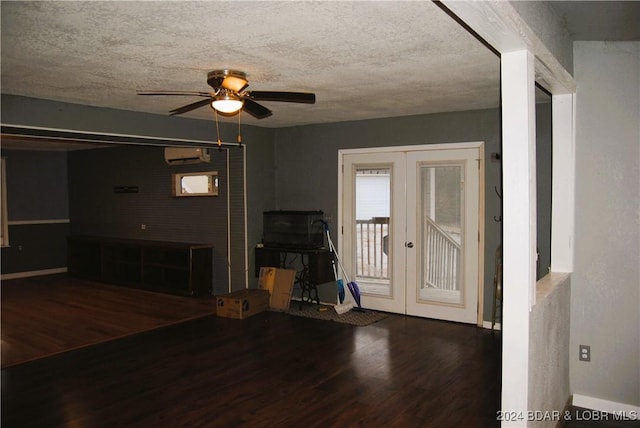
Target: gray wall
289	168
24	111
17	110
36	192
605	306
306	169
261	194
96	210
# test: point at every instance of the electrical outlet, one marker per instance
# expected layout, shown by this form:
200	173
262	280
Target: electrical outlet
585	353
143	227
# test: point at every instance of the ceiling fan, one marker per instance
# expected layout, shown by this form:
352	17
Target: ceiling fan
230	95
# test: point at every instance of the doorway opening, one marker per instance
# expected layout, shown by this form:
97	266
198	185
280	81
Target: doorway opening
411	228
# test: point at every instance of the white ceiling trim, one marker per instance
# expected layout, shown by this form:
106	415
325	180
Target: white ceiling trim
74	136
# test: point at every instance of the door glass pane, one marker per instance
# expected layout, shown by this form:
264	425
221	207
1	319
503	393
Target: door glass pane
373	208
442	233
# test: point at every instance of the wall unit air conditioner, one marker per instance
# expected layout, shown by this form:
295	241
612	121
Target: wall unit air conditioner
185	155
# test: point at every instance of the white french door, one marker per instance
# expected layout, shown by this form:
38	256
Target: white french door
373	215
410	221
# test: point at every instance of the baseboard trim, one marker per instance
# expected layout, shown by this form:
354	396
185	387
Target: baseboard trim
605	405
29	274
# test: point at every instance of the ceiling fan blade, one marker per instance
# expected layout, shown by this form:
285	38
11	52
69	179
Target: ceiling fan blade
181	93
256	110
287	97
190	107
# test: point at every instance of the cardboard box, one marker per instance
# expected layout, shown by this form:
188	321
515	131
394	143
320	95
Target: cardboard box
242	304
279	282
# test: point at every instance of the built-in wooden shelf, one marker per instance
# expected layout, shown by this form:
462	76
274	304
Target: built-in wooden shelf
171	267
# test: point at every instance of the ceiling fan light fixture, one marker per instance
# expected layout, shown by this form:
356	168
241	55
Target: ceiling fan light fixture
234	83
231	80
227	103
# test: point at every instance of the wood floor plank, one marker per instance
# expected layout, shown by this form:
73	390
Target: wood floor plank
42	316
270	370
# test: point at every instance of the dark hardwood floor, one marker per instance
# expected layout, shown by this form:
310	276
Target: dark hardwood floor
86	354
270	370
46	315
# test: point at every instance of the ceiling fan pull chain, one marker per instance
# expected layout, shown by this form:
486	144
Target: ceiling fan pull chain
215	113
239	136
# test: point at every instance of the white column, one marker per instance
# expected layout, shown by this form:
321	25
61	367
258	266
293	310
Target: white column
519	227
562	204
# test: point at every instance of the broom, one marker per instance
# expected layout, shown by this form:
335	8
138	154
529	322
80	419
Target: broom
341	307
351	285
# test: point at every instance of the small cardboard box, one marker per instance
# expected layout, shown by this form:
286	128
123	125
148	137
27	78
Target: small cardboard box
279	282
242	304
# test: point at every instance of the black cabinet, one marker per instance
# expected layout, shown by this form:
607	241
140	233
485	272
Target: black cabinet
314	267
317	264
172	267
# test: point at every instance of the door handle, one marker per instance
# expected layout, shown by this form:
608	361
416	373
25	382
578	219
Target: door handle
408	244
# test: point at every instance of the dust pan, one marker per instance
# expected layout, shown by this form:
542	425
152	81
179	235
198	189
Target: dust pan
343	308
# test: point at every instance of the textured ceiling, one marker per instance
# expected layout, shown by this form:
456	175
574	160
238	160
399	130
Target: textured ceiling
362	59
365	59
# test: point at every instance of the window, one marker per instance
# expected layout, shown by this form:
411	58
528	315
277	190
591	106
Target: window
195	184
